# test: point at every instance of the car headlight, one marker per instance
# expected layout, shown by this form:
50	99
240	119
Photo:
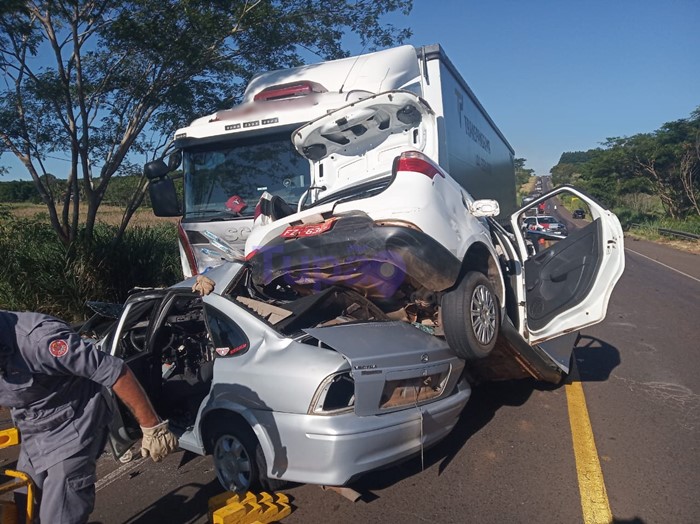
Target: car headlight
335	395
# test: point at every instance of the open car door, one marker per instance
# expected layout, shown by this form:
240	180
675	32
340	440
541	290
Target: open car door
129	340
569	266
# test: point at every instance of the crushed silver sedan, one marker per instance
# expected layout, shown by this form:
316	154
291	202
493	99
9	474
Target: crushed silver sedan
314	389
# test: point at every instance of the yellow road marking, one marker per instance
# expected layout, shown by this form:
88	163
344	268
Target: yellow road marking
594	498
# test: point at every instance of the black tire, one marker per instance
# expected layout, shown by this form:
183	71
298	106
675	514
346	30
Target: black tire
239	461
471	317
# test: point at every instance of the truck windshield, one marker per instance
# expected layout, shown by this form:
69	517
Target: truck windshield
226	180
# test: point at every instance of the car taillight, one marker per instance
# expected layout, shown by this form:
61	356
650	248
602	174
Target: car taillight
419	163
289	90
187	247
335	395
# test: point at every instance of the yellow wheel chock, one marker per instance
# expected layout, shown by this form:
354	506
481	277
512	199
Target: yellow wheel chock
9	437
248	508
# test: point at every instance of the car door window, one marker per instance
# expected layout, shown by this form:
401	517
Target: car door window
229	340
129	339
548	222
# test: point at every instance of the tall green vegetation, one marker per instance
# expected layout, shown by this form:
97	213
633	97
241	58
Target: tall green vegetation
524	178
648	175
522	173
40	274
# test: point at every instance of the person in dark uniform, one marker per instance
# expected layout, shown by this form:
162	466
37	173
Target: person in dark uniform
53	382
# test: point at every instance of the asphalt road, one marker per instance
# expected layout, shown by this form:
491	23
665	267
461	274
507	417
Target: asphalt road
511	457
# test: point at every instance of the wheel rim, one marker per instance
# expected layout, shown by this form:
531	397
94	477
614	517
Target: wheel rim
483	314
233	464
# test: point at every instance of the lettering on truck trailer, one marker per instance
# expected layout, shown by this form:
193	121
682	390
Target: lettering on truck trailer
470	128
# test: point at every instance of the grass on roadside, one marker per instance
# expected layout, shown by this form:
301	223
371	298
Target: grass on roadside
107	214
41	274
649	230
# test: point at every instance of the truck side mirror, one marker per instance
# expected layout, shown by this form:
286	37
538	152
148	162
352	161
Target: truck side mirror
174	160
163	197
156	169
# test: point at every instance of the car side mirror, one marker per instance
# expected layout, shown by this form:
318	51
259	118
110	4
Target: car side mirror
484	208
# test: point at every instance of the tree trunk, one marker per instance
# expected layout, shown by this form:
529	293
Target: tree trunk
688	175
131	208
665	193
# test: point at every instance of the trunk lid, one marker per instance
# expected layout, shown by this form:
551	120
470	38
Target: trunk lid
395	365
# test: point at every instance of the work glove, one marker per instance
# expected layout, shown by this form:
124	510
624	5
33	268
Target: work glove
203	285
157	441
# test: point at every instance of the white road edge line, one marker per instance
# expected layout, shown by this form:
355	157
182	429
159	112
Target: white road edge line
662	264
117	473
126	468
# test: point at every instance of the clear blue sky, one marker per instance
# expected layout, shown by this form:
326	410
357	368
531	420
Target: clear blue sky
563	75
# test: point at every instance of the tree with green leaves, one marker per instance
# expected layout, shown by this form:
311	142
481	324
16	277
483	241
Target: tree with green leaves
522	174
98	81
568	169
664	163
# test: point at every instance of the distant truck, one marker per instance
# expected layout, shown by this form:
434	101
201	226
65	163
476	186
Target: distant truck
230	158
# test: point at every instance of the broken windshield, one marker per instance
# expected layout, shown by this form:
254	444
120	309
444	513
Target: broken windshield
228	179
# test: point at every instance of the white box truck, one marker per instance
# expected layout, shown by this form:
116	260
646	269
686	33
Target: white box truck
230	158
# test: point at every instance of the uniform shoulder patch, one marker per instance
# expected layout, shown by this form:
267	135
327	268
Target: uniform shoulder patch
58	348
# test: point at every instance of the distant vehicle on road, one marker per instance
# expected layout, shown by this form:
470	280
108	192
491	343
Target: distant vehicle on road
544	223
578	213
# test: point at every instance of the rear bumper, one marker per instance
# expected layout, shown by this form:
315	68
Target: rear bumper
331	450
358	253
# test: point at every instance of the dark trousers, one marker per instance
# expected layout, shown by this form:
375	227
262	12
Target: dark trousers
65	493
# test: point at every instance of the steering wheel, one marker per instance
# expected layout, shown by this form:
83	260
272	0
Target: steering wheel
137	338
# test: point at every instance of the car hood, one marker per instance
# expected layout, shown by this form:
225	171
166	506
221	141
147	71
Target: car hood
361	125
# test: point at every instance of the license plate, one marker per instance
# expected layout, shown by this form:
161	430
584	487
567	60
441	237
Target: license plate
308	230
